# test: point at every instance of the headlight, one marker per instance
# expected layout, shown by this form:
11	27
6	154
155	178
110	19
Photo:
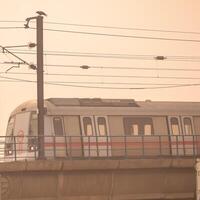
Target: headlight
9	152
32	148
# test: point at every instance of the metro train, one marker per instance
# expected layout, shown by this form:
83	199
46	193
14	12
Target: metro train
83	127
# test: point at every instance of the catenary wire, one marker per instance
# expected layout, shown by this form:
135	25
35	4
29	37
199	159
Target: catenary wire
123	68
98	87
135	68
109	56
120	35
108	76
11	27
115	83
103	67
123	28
108	27
11	21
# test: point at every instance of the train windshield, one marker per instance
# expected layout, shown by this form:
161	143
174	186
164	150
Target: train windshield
10	127
9	137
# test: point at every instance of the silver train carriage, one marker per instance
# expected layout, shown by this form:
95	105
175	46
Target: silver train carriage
84	128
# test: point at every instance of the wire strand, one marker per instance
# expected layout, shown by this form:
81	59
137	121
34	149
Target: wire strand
12	27
108	27
116	83
107	76
123	28
123	68
110	55
11	21
98	87
120	35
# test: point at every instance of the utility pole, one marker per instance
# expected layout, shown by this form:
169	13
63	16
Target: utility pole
40	80
40	85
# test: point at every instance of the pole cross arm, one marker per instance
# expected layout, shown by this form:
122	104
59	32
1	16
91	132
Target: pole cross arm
28	20
40	14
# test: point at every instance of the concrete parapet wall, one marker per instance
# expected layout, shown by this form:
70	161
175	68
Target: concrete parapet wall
68	165
98	179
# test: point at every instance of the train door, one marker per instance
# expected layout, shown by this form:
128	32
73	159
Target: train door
89	137
176	135
188	131
103	137
59	140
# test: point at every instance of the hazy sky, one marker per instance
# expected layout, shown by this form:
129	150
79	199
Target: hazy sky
182	15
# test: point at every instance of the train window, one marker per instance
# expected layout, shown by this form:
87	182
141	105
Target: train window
187	126
138	126
58	126
102	128
87	124
147	129
135	129
174	126
33	125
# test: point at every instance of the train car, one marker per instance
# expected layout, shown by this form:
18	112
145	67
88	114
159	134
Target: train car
98	128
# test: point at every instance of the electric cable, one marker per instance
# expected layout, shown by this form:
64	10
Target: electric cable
112	56
108	76
100	87
107	27
120	35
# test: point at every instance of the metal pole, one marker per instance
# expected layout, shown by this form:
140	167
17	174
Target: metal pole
40	85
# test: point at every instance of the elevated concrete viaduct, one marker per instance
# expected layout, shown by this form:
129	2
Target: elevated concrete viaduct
131	179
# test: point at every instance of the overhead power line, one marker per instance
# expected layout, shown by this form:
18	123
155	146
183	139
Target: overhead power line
109	27
120	35
11	21
11	27
112	56
123	28
85	55
108	76
100	87
105	83
124	68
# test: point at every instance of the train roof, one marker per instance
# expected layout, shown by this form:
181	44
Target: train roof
83	106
